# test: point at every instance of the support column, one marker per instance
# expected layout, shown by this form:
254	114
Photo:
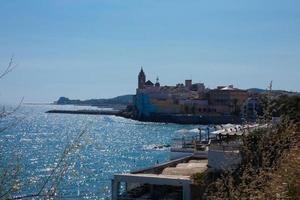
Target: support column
115	189
186	192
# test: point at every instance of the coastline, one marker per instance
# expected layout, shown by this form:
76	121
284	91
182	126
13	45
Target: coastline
161	118
85	112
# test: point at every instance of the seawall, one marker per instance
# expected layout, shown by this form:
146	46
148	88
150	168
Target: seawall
86	112
162	118
191	119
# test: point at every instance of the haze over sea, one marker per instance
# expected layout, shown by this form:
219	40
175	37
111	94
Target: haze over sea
114	145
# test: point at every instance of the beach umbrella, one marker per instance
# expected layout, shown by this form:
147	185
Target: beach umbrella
195	130
183	131
218	131
228	125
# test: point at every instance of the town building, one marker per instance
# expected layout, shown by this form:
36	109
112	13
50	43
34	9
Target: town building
189	99
227	99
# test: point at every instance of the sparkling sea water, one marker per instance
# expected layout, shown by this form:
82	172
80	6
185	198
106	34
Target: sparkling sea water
36	140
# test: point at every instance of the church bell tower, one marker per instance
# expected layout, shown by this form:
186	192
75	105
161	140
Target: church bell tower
141	79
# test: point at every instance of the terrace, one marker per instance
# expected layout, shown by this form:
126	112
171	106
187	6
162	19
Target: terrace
171	180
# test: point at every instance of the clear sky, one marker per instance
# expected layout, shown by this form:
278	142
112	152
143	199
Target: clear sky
95	48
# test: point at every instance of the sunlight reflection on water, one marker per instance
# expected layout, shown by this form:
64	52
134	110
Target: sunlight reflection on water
117	145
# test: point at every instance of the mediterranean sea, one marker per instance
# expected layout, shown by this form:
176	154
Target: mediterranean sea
36	141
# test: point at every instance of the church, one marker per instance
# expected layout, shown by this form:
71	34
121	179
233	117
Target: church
142	83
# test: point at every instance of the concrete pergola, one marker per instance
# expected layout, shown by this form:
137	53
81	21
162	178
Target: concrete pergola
152	179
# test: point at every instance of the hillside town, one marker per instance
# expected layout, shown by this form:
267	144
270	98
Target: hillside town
223	104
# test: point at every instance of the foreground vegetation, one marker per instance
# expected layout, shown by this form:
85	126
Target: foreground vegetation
270	160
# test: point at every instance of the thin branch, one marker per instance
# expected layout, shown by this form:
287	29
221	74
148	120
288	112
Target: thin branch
9	68
65	153
5	114
8	176
60	172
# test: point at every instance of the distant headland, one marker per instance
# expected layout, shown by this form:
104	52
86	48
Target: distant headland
117	103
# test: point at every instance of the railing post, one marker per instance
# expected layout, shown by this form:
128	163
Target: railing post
186	192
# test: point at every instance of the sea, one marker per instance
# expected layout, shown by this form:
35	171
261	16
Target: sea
76	156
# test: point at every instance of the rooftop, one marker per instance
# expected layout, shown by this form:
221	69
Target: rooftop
174	173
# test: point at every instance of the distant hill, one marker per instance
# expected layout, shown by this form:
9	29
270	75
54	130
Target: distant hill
123	100
275	92
256	90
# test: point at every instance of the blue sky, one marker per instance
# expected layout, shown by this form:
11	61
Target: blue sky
94	48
